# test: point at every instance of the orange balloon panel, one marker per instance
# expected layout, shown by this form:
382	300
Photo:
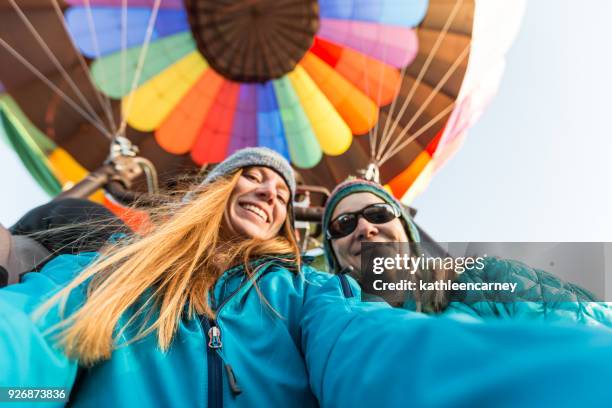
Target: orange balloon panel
214	136
402	182
138	221
357	110
179	131
381	82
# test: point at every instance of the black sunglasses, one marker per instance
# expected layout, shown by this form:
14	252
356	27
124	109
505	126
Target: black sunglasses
345	224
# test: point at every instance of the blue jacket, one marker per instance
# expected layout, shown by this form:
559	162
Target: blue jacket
539	296
326	347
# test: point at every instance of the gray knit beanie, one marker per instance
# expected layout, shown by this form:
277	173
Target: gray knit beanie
253	156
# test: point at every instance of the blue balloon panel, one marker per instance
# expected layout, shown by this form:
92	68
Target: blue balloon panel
404	13
270	131
107	27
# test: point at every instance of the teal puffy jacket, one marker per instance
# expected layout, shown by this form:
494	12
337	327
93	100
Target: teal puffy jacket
539	295
326	348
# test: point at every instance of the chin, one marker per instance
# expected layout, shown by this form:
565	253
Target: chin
250	231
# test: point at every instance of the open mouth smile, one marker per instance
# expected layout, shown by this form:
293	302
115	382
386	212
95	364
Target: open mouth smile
258	211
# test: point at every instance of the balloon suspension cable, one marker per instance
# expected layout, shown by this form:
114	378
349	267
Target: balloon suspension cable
49	53
53	87
94	42
381	79
414	136
388	131
400	139
139	65
102	98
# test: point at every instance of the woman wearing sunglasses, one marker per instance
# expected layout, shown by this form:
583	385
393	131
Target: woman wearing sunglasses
360	211
215	308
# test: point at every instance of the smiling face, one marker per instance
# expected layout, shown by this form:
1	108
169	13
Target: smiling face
257	207
348	249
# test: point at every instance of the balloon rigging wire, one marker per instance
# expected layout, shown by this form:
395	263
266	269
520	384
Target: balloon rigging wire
102	99
124	18
380	85
94	36
422	130
51	85
430	97
24	19
432	53
139	67
419	79
371	136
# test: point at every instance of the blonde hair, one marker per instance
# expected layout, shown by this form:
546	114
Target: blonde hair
174	266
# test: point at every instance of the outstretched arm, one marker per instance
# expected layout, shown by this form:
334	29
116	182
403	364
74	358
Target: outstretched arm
538	295
367	355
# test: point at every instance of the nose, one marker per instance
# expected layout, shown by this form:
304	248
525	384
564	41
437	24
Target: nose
266	192
365	229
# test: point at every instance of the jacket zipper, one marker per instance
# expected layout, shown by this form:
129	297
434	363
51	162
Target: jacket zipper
214	361
215	387
346	287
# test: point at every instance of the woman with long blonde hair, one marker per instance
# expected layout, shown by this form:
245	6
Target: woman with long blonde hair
214	307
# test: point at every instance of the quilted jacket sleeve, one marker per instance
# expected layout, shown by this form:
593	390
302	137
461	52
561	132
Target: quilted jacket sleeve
367	354
539	295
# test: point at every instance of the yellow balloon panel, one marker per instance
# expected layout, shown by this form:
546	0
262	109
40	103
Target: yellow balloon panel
69	172
152	102
332	132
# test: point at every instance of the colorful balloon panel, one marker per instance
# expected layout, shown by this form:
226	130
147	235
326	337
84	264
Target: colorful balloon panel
244	130
214	136
402	182
377	80
270	131
393	45
137	220
358	111
151	103
302	143
178	132
402	13
69	172
113	74
175	4
335	92
341	86
332	133
98	30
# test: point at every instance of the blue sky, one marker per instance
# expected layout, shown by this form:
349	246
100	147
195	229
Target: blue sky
536	167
